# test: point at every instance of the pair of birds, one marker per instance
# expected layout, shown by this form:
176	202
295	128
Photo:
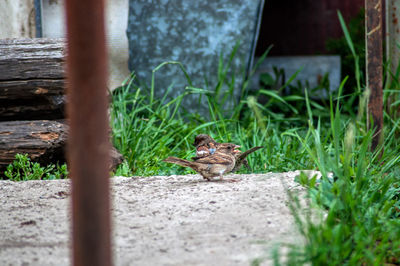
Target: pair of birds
213	158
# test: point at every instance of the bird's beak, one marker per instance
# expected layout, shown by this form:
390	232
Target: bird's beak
235	149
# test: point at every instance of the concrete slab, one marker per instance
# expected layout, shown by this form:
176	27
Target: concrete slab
160	220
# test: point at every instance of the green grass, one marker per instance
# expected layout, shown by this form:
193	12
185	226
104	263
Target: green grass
360	194
359	190
23	169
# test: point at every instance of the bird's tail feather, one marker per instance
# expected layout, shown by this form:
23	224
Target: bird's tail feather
178	161
244	154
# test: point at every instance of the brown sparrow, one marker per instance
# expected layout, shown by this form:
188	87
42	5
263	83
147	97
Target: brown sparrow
206	145
217	164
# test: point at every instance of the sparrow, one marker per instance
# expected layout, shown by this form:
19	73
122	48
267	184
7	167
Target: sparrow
217	164
206	145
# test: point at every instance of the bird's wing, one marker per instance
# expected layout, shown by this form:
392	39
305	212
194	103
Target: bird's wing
216	158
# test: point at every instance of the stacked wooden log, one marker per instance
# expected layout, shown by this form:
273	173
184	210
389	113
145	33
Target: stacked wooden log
32	99
31	79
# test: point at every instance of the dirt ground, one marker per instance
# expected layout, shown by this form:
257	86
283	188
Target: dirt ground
160	220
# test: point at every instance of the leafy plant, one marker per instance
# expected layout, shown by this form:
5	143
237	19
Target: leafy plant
22	169
359	196
123	170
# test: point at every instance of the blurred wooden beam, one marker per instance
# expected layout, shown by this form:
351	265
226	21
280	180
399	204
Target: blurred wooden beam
373	17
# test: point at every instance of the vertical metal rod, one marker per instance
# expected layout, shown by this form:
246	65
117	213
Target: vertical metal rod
373	18
88	144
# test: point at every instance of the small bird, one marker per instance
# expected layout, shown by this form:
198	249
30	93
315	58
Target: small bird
206	145
217	164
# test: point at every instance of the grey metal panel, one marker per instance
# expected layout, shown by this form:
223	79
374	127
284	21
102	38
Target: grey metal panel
194	33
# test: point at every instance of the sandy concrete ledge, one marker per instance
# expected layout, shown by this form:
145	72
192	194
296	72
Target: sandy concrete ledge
160	220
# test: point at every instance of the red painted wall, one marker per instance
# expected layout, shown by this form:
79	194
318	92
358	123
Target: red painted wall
301	27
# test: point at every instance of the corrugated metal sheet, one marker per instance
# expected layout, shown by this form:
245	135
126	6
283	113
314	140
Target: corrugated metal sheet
301	27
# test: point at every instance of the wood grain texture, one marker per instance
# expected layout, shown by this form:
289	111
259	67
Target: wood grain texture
35	108
32	79
41	58
25	89
43	140
32	89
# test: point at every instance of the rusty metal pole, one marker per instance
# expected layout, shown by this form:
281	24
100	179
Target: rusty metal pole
88	143
373	18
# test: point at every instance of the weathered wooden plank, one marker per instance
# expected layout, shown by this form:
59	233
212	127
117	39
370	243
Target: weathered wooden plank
25	89
31	79
35	108
31	99
43	140
41	58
